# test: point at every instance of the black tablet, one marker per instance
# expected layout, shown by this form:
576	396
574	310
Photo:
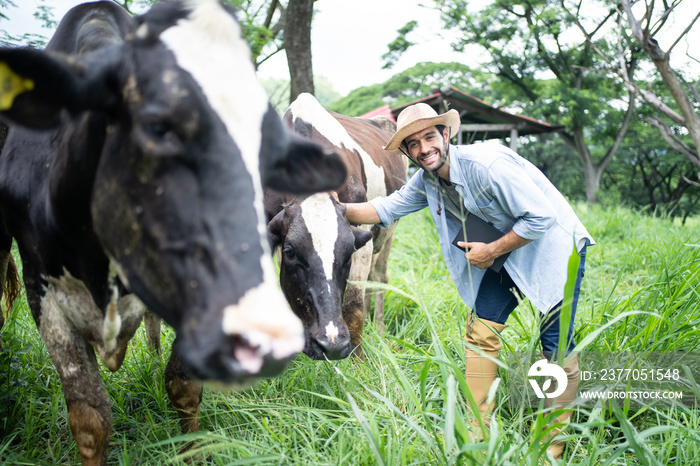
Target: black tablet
481	232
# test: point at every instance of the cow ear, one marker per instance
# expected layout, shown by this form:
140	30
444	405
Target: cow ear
275	230
307	168
295	165
361	236
35	86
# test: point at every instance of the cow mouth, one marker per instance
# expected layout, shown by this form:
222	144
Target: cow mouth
314	352
252	350
240	360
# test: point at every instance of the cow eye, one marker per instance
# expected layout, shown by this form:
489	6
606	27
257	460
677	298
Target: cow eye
289	253
157	129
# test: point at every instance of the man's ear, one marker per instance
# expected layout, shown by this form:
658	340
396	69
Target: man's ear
36	86
446	134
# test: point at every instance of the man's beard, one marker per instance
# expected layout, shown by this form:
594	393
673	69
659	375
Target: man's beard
443	159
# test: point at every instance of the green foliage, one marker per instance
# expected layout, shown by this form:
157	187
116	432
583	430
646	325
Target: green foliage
4	4
278	92
557	160
44	13
399	45
645	174
648	175
406	402
414	83
530	39
251	14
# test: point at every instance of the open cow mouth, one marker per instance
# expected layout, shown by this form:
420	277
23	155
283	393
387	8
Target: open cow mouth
240	360
251	351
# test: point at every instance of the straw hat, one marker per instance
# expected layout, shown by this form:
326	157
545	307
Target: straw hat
416	118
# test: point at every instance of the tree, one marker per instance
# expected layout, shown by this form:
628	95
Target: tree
648	174
414	83
399	45
43	13
638	33
266	25
278	91
297	44
529	40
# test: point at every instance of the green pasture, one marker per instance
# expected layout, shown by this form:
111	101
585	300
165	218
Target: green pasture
406	403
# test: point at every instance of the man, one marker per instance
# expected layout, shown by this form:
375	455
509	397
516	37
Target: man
541	229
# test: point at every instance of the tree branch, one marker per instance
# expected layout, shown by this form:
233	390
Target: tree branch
688	180
683	34
673	140
622	131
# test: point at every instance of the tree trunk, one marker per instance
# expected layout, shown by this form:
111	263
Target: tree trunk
592	170
297	43
690	119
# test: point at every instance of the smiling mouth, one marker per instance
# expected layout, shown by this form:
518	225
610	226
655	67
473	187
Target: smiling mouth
430	157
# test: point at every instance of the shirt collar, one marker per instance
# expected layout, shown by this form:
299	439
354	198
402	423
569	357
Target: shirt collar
456	175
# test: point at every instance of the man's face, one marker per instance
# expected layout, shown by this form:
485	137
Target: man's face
427	148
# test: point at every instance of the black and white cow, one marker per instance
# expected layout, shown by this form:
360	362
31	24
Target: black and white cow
133	175
320	250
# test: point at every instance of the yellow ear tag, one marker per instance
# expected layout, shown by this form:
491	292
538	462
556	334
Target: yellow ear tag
11	85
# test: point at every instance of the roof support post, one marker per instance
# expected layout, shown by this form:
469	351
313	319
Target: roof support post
514	139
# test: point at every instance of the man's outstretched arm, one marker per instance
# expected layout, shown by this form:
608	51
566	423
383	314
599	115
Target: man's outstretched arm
361	213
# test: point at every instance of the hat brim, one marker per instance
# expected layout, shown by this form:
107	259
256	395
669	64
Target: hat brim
449	119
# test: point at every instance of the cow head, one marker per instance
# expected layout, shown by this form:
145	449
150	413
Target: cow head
317	244
183	138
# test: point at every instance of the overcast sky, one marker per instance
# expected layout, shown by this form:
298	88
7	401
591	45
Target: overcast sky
348	37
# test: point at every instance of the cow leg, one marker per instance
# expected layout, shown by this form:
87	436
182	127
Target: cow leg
89	411
10	285
380	273
184	393
354	298
152	323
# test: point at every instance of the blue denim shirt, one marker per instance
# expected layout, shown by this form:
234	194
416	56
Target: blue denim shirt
508	191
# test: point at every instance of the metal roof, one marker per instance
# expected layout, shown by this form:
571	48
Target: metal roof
480	121
384	110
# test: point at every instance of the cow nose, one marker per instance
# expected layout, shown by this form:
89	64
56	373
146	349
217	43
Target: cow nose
264	320
339	349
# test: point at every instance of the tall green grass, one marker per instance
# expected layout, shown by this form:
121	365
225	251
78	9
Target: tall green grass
406	402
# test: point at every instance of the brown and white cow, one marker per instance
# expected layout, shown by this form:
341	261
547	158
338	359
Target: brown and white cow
133	176
325	261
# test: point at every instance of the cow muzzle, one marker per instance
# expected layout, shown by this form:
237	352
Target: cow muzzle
257	338
331	342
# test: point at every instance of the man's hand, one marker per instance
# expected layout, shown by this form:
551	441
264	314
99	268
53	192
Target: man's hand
480	255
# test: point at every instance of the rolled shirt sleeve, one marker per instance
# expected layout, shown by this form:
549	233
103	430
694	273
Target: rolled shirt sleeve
410	198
